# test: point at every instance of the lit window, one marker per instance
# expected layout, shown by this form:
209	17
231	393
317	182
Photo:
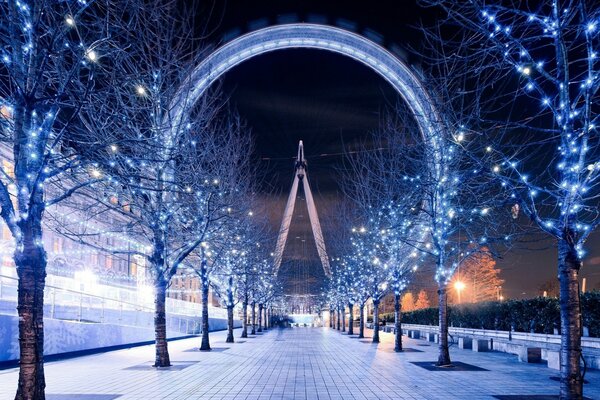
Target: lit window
8	168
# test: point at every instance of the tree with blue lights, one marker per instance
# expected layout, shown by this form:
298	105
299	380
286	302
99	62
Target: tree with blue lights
48	63
241	244
247	276
171	183
403	261
374	275
426	196
534	101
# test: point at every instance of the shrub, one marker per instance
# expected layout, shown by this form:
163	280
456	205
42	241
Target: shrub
537	315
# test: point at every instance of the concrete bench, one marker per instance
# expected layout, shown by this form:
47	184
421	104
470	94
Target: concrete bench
553	358
592	359
414	334
530	354
480	345
465	343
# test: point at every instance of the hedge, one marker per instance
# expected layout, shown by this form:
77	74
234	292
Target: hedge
538	315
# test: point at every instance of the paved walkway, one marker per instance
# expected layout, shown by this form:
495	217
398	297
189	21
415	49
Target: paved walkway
299	363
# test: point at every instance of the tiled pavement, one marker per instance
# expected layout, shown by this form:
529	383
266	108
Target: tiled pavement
299	363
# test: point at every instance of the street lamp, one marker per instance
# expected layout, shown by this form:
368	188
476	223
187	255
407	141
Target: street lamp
459	286
499	295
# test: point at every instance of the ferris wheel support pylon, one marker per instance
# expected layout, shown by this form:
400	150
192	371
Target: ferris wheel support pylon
300	176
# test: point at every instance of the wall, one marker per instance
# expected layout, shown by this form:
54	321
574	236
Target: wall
67	336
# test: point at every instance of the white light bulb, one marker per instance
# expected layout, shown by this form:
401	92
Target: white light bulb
92	55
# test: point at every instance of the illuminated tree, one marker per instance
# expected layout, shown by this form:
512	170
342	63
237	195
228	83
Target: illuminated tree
408	302
249	277
535	95
341	288
480	277
437	199
48	62
241	245
230	278
422	300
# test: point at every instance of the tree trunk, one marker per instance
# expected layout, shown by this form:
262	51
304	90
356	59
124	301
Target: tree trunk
331	318
230	304
361	323
253	331
351	319
229	325
444	353
338	318
161	358
343	320
205	345
397	323
376	321
31	269
265	319
245	319
571	381
260	315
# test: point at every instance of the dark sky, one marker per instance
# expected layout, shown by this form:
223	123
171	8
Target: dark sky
328	101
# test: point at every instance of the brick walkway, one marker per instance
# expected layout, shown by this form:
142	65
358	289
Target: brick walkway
299	363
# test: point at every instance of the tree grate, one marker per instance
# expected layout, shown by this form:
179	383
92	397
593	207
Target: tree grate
176	366
454	367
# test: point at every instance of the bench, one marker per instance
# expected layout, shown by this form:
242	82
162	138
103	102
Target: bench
480	345
530	354
465	343
414	334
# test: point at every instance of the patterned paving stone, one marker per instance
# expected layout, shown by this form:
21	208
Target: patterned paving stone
299	363
79	396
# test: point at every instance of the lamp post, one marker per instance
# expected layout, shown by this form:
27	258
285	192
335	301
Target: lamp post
459	286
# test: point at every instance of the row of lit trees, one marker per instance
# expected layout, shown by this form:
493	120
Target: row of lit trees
87	93
415	202
516	87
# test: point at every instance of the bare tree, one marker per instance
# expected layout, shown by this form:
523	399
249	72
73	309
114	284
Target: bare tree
532	87
408	302
165	172
48	62
422	300
433	196
242	245
480	279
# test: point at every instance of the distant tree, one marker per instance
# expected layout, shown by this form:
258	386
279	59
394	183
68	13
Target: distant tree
550	288
480	277
408	302
422	300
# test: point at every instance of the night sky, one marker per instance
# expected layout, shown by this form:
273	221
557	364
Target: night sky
330	101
